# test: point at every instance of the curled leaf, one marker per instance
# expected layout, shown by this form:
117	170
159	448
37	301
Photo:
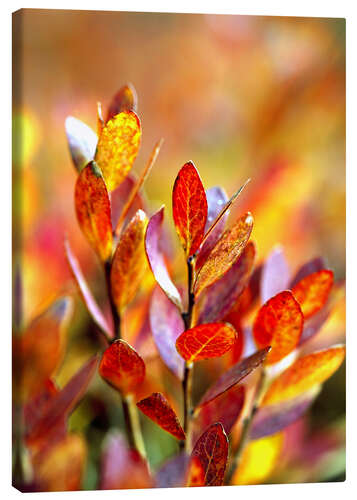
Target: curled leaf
129	262
313	291
125	99
307	372
166	325
234	375
156	259
93	210
122	367
225	253
279	324
82	142
275	275
211	449
206	341
158	409
117	148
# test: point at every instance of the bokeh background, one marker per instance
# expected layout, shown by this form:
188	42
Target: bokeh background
241	96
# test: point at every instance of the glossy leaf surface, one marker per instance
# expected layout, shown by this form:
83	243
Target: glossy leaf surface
156	259
279	323
312	291
93	210
206	341
122	367
189	208
117	148
275	275
225	253
211	449
129	262
305	373
82	142
158	409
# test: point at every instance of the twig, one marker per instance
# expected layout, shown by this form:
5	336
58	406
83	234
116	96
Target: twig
114	310
132	422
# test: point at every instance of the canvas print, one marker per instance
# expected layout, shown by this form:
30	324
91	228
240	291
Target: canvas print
178	250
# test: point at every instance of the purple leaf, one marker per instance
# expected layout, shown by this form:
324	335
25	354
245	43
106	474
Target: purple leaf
173	473
275	275
312	266
119	197
82	142
314	324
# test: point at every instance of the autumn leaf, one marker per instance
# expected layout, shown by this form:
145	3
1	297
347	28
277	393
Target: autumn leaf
122	367
156	259
196	473
119	198
206	341
82	142
313	291
189	207
314	324
311	266
166	325
307	372
85	292
225	253
125	99
158	409
275	275
173	473
129	262
117	148
234	375
211	449
279	323
218	299
93	210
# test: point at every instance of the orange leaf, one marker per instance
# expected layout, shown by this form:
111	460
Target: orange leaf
313	291
122	367
279	323
206	341
195	473
158	409
305	373
93	210
125	99
225	253
189	207
118	146
211	449
129	262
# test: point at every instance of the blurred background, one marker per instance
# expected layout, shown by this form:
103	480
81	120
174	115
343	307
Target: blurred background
240	96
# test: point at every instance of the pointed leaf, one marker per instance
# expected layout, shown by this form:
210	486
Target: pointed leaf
118	146
82	142
122	367
313	291
224	409
234	375
312	266
275	275
211	449
129	262
206	341
189	208
279	323
125	99
305	373
156	259
93	210
158	409
225	253
87	296
166	325
219	298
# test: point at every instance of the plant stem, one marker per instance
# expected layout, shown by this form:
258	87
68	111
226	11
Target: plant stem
247	423
115	314
132	422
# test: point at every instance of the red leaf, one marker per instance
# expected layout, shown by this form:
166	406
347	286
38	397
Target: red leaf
156	259
87	296
158	409
189	208
234	375
93	210
313	291
275	275
211	449
125	99
312	266
279	323
82	142
166	325
206	341
122	367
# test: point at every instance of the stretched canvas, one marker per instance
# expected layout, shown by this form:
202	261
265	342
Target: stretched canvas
178	250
